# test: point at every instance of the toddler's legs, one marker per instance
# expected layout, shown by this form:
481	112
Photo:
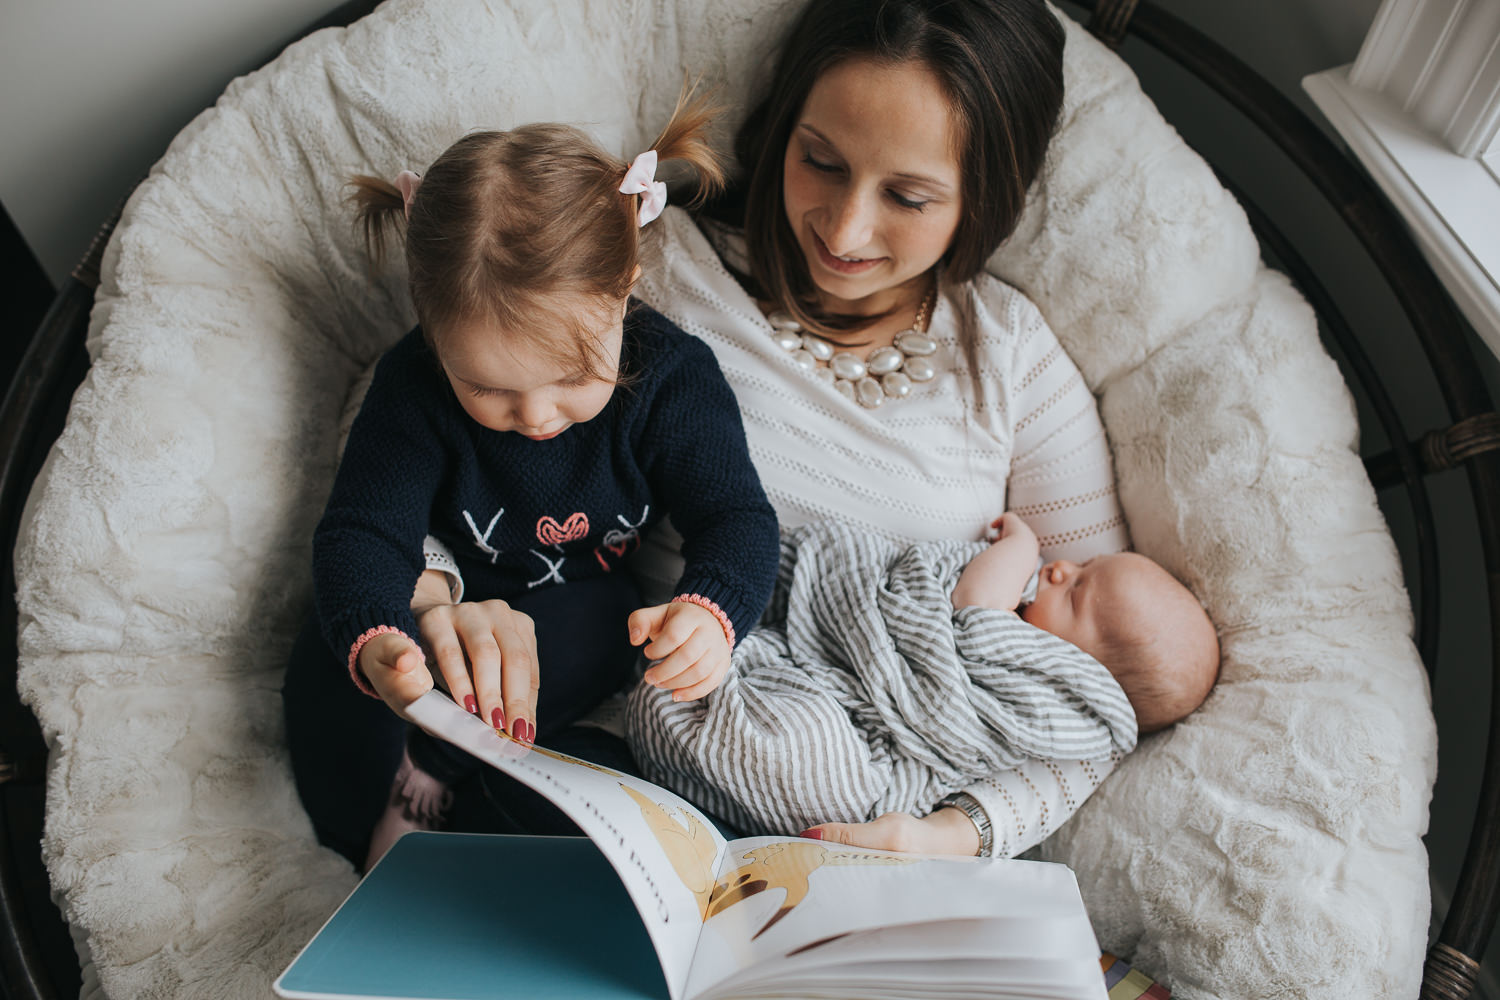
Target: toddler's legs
417	801
345	745
584	650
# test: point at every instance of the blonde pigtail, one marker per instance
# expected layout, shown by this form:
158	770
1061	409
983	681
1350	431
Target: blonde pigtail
378	207
685	138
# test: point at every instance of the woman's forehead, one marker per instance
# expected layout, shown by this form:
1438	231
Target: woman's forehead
895	112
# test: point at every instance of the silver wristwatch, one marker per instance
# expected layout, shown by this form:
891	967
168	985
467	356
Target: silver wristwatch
981	819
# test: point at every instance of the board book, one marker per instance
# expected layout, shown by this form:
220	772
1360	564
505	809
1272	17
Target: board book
656	903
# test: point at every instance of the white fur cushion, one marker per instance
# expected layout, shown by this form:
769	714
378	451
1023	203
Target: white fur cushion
1269	845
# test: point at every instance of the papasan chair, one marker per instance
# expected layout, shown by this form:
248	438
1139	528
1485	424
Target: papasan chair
1268	846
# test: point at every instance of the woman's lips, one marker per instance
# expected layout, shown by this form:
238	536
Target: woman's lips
838	264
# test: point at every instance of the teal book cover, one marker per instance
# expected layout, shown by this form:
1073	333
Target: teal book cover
449	916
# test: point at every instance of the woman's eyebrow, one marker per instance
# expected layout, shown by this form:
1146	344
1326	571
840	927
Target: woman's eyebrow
931	182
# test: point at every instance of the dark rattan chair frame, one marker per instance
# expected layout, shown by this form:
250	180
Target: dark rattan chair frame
33	410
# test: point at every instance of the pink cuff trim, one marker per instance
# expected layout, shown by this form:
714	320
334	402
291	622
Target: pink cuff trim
354	671
718	612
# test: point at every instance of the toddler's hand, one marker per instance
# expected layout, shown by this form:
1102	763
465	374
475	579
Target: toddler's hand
393	665
688	645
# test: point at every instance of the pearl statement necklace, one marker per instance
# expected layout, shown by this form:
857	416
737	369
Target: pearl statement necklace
888	373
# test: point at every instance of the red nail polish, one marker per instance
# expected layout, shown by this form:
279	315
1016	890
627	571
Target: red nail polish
470	705
523	731
497	719
811	834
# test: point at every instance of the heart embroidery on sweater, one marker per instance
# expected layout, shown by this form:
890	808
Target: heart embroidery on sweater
549	532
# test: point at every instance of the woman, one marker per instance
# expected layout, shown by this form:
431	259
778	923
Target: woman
889	159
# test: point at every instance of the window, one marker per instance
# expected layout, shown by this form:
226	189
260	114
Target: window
1420	108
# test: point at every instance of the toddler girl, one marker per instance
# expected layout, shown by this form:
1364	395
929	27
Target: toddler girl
536	423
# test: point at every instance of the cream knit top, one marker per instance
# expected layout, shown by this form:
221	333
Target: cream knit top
941	463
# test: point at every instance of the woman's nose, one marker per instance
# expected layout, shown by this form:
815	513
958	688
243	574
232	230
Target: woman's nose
850	224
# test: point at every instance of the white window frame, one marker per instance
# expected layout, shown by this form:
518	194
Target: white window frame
1420	108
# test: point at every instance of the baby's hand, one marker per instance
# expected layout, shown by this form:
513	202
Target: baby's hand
394	666
687	644
1010	525
996	577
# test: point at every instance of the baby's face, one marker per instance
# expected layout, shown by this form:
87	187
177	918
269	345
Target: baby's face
1074	600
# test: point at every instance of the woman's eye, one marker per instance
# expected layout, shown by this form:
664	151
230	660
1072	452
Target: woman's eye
827	168
905	202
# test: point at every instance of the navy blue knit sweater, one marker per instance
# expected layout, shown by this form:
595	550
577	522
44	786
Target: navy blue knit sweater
519	513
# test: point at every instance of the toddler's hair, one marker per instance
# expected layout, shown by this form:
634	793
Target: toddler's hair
505	222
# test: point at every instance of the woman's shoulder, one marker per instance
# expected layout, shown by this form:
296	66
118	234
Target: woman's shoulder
699	246
999	305
659	346
1007	324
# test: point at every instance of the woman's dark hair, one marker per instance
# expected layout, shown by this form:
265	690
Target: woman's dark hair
1000	62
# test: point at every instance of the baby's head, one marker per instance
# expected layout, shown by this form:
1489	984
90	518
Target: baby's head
521	250
1147	629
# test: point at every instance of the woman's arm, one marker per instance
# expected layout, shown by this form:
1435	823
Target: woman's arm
1062	484
1023	805
1062	480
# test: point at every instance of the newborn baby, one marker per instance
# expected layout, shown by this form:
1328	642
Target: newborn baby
1123	609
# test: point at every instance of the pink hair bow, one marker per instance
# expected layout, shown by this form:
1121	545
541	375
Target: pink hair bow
407	183
641	179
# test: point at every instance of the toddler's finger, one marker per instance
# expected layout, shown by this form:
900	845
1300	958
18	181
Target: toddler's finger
409	660
679	631
675	670
644	623
712	677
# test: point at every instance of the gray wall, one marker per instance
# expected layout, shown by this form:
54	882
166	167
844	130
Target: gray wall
96	89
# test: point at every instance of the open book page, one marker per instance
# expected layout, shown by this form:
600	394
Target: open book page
665	851
783	909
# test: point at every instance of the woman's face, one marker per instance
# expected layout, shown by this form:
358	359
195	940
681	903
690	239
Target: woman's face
871	180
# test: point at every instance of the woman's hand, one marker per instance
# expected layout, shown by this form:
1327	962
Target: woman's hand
688	647
943	831
485	653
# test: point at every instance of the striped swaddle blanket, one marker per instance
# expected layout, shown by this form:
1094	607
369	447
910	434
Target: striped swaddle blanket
862	691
